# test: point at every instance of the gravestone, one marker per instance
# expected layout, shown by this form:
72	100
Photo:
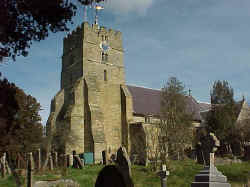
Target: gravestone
247	152
79	161
75	164
124	165
110	176
55	159
30	168
104	158
210	176
3	168
38	159
51	167
71	160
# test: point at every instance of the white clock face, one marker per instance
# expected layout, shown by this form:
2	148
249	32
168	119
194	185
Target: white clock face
104	46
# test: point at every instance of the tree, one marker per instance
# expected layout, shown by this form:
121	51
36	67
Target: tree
152	144
21	126
176	121
222	117
21	129
25	21
221	93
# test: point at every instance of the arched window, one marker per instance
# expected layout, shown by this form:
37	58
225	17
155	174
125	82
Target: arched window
105	75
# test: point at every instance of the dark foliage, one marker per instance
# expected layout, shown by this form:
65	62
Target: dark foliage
21	130
110	176
223	115
221	93
25	21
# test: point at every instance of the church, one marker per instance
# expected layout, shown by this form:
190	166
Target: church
95	105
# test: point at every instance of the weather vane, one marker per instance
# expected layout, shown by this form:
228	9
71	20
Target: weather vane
97	8
93	4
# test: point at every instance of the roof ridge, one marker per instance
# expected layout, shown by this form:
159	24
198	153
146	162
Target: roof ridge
133	85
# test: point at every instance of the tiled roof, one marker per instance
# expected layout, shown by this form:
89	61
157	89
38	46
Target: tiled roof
193	107
147	101
239	107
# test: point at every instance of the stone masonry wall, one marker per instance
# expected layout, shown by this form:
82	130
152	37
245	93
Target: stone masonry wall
55	107
76	119
104	96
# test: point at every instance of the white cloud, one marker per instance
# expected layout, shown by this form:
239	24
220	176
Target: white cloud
126	6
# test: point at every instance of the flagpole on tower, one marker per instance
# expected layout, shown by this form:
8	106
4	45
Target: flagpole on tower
93	4
97	8
85	19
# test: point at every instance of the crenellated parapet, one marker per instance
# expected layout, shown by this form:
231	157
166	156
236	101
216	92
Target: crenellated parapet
93	34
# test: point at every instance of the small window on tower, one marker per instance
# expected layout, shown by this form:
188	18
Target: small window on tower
105	75
103	56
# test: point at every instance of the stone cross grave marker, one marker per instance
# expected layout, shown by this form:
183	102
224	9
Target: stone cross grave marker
210	176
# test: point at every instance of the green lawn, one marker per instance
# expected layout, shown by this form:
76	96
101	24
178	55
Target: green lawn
181	174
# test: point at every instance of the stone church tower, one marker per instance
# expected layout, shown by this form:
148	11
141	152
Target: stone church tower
93	103
95	111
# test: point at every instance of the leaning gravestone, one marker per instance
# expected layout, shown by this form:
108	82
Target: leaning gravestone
210	176
124	165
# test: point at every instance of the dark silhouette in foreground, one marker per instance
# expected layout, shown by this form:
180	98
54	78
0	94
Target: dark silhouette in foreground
110	176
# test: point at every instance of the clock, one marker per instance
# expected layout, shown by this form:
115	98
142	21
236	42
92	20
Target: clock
104	46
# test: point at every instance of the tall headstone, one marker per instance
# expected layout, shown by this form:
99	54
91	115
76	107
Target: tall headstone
3	168
38	159
55	159
30	168
210	176
124	166
51	167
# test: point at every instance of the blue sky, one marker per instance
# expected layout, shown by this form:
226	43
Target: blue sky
198	41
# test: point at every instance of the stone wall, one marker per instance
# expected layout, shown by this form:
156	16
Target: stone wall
75	117
138	143
104	96
55	107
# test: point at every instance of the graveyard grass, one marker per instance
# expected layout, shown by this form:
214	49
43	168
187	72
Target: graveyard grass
181	174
